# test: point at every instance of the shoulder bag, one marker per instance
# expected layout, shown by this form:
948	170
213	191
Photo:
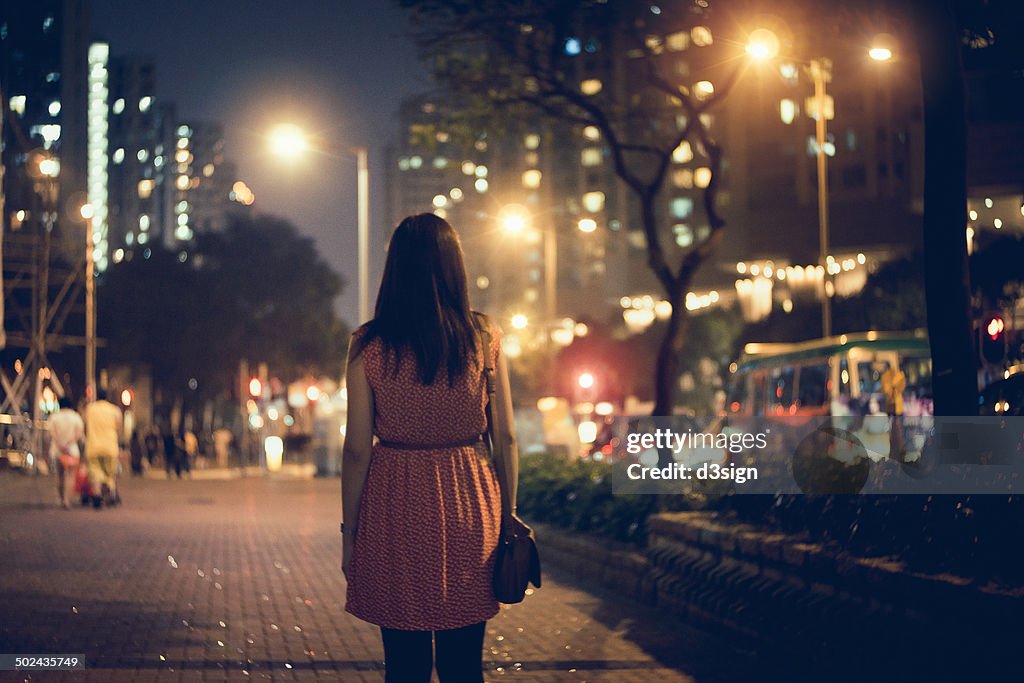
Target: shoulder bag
517	563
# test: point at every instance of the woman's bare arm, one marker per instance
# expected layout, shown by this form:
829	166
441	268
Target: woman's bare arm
355	461
505	446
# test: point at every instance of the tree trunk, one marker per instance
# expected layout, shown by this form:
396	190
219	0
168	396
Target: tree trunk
947	285
666	379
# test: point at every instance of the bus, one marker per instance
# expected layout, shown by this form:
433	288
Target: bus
822	400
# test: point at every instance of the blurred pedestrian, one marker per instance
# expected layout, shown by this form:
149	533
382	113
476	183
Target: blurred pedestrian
102	447
152	442
222	446
191	447
135	452
424	507
894	383
66	431
172	454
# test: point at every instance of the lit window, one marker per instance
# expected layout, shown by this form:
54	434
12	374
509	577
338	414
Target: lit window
789	73
683	153
118	155
53	77
593	201
142	155
702	177
415	162
145	103
440	200
587	225
591	86
18	104
54	108
182	182
441	136
181	207
682	207
481	171
677	42
531	141
184	131
592	133
118	105
531	179
182	219
182	232
158	161
572	46
701	36
439	162
468	167
706	120
182	156
440	213
483	282
683	234
208	170
703	89
144	222
456	194
787	110
143	238
591	156
129	238
403	164
480	185
182	143
118	255
145	188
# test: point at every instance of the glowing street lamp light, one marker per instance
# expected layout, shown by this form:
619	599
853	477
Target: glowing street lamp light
762	44
880	54
287	141
586	380
513	219
520	321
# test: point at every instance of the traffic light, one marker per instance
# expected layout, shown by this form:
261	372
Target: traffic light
993	344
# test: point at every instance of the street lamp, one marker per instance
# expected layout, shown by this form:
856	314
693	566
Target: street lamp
515	219
762	45
289	142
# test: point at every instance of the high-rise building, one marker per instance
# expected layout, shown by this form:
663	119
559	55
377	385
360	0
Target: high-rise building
43	47
140	132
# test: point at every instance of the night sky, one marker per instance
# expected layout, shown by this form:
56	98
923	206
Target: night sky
339	68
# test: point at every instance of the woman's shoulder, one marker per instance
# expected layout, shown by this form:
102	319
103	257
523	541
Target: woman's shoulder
488	323
361	338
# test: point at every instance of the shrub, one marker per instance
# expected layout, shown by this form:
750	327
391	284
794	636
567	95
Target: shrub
577	495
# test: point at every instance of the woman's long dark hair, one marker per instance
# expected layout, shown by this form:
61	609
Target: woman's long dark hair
423	303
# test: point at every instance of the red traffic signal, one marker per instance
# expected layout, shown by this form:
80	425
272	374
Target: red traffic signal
993	342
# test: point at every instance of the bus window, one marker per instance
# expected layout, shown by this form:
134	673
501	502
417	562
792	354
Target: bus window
780	390
918	372
869	375
737	401
813	385
844	377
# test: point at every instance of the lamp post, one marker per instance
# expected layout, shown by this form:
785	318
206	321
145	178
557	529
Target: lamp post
90	306
515	219
762	45
289	142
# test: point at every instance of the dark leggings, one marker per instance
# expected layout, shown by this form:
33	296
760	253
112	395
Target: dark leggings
409	655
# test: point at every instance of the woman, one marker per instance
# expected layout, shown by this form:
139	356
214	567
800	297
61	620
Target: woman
66	431
423	506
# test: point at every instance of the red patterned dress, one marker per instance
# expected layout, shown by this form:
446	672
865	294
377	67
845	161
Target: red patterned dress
429	518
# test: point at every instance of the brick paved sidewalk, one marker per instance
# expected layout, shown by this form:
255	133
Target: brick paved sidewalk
239	580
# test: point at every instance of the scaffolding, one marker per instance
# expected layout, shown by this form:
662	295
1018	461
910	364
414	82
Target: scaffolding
45	281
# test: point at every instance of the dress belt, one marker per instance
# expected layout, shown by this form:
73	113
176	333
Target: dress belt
406	446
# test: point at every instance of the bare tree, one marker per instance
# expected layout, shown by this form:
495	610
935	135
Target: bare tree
513	58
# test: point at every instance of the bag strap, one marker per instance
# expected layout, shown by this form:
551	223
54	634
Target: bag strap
485	340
